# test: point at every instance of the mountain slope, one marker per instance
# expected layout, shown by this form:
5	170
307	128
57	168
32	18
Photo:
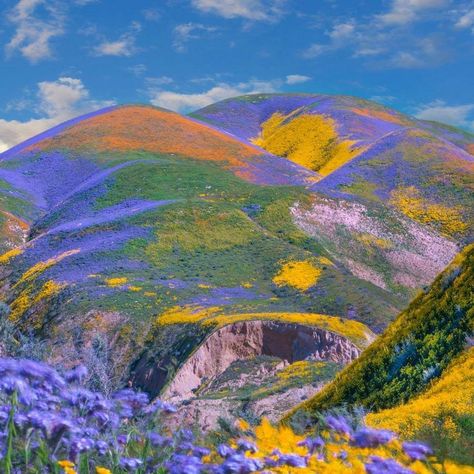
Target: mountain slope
394	188
134	234
443	415
414	350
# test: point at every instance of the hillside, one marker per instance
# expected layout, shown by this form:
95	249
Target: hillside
134	234
415	350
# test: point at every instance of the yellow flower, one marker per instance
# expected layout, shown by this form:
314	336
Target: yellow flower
102	470
118	281
300	275
65	463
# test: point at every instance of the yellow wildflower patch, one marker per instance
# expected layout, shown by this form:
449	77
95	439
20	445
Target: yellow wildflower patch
355	331
450	396
309	140
25	300
301	275
19	305
117	281
7	256
341	457
41	267
134	288
411	203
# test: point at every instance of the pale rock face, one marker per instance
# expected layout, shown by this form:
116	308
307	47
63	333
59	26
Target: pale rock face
412	253
246	341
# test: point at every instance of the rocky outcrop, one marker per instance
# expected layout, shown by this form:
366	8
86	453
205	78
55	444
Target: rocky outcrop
245	340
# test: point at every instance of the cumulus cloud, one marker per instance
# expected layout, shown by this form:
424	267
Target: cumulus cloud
187	32
57	101
34	31
440	111
123	46
255	10
187	102
403	12
296	79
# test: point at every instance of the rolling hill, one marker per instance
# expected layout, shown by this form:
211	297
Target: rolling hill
135	234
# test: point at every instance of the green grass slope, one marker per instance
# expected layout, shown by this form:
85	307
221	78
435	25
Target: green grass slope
414	350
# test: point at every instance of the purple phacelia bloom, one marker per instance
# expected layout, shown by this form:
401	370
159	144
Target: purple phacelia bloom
182	464
313	444
378	465
371	438
246	446
225	451
130	464
158	440
102	447
292	460
338	424
201	451
416	450
240	464
76	375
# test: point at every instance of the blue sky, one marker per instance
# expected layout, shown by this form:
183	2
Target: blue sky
60	58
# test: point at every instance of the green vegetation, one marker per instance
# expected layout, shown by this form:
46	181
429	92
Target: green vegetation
414	350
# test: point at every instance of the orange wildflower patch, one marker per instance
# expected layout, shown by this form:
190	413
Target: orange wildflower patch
379	114
142	128
470	148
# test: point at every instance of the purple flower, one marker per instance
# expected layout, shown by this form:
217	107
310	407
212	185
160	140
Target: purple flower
292	460
158	440
313	444
225	451
201	451
244	446
130	464
76	375
371	438
416	450
240	464
102	447
378	465
338	424
182	464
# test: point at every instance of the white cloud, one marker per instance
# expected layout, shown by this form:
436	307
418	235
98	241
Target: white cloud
123	46
383	45
189	31
296	79
187	102
466	20
403	12
342	31
315	50
439	111
34	32
255	10
57	101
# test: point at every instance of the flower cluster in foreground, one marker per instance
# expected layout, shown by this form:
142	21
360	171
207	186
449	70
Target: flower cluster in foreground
51	424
